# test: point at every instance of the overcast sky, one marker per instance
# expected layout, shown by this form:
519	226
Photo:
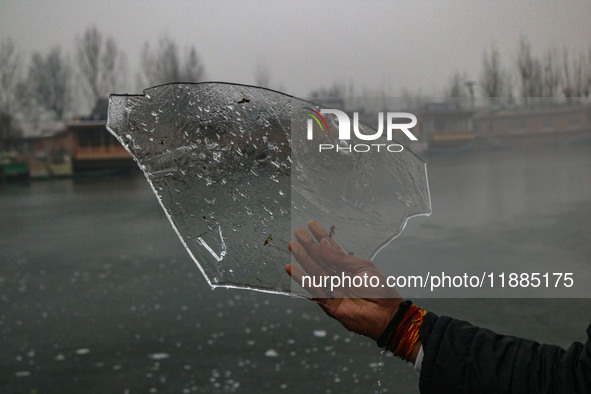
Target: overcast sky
378	45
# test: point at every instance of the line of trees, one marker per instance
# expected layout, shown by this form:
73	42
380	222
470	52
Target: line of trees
54	85
10	61
164	63
552	74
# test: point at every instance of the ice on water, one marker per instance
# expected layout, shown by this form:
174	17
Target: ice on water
234	173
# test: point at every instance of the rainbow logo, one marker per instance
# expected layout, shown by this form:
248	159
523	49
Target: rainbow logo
317	117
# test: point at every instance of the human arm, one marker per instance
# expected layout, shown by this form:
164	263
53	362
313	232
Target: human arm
458	357
462	358
364	310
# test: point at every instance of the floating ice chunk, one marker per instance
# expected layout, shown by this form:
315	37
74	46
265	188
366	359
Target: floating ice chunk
82	351
271	353
22	374
320	333
158	356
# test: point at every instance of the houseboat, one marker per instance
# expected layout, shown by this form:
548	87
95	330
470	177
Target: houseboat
522	126
447	127
93	148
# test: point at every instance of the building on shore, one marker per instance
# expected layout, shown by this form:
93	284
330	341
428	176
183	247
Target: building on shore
81	146
76	147
451	127
521	127
447	126
93	148
84	145
49	154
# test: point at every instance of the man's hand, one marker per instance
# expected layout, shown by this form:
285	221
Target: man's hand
365	310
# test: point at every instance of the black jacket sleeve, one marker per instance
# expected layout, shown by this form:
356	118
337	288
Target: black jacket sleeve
462	358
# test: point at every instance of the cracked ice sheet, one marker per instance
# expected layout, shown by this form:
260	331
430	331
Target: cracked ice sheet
362	193
219	158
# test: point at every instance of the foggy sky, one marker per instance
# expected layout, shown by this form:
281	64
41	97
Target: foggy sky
378	45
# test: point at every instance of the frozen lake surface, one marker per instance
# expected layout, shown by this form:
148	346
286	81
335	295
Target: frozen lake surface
98	295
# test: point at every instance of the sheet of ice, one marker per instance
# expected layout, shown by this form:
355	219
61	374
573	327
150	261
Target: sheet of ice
361	193
217	157
234	173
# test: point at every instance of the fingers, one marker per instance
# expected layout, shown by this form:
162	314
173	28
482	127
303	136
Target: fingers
306	261
311	247
317	230
319	233
294	272
325	261
343	261
297	275
312	270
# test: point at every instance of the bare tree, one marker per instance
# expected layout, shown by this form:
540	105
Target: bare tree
193	68
456	86
48	82
163	64
529	70
576	76
262	74
568	86
494	80
335	91
10	64
551	78
581	75
588	73
411	100
101	64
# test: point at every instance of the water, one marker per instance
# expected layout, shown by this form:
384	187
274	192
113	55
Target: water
512	211
98	295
